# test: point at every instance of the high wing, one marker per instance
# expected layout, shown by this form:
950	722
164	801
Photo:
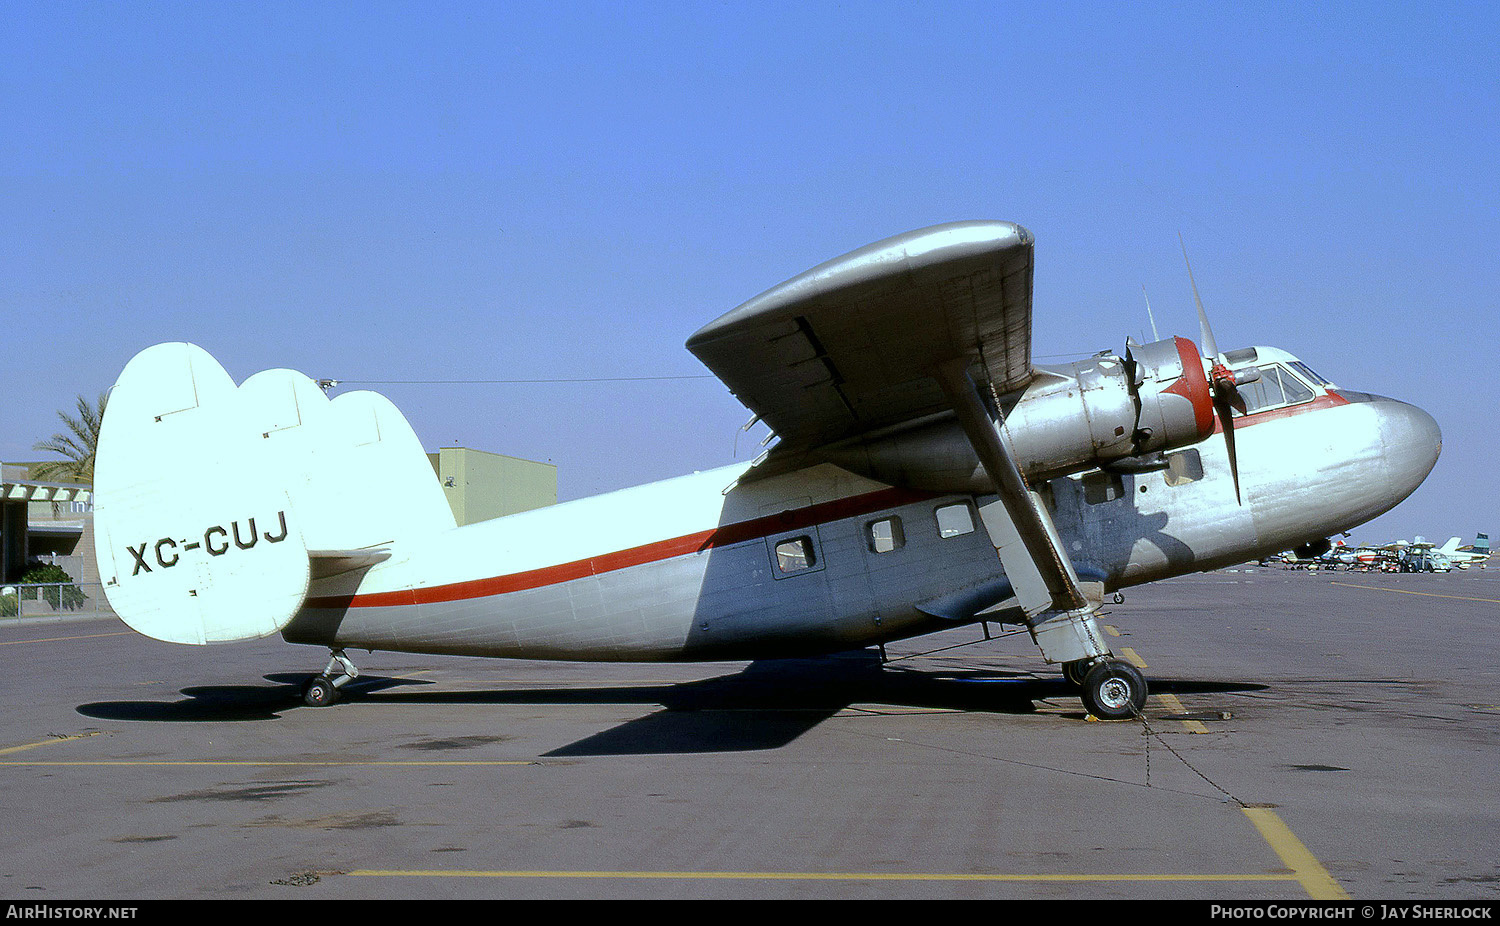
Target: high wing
922	323
853	344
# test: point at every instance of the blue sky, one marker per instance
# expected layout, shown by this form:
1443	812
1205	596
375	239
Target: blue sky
380	192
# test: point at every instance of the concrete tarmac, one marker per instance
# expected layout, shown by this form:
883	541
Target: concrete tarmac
1327	736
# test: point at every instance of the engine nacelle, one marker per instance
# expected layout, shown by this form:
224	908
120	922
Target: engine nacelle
1068	419
1173	393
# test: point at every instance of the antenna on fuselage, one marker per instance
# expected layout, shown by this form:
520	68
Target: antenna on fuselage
1155	335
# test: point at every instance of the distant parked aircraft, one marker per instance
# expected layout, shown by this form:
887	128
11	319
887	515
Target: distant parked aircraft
1477	552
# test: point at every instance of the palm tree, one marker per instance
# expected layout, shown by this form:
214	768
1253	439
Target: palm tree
77	447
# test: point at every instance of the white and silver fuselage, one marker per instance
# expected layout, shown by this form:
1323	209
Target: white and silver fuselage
820	559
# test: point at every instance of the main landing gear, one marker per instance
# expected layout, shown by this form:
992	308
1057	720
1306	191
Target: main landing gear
1111	689
323	690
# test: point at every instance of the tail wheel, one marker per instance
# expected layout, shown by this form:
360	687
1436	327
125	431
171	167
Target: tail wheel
1114	690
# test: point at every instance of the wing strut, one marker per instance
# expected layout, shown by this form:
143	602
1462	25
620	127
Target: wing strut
1059	613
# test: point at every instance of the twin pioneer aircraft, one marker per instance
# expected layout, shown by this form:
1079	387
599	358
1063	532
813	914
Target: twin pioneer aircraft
927	475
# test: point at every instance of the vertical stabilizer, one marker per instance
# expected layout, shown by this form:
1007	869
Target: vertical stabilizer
211	500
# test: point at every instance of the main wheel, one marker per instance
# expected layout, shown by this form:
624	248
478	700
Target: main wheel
1114	690
319	692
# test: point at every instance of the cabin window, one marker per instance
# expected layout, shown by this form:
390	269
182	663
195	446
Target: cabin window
885	535
953	520
795	554
1183	467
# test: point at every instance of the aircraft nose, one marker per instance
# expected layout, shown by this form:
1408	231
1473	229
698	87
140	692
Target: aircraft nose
1412	442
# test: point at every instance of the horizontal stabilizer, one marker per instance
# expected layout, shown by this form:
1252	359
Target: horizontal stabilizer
326	563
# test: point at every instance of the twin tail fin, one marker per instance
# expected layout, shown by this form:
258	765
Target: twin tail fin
216	506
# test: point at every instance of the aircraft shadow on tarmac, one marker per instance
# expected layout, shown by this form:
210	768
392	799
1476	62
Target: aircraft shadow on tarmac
764	706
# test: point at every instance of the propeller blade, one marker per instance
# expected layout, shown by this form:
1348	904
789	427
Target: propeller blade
1210	346
1224	383
1227	399
1222	406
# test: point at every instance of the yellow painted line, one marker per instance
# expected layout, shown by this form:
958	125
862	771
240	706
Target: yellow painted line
1305	867
1308	871
90	636
1170	700
1403	591
46	742
1111	630
804	876
337	763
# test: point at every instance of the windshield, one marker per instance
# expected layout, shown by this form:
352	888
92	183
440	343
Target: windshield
1309	375
1276	387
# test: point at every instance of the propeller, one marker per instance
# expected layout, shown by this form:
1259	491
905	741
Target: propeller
1223	382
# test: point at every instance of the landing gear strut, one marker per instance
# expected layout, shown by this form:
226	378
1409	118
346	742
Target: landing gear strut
323	690
1074	672
1113	690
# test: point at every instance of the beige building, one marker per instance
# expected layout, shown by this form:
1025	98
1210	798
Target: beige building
40	520
481	485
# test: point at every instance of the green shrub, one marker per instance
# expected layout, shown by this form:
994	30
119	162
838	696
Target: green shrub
58	590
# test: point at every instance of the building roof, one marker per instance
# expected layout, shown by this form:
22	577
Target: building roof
27	491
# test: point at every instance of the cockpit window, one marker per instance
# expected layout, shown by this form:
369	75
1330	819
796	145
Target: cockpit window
1309	375
1275	388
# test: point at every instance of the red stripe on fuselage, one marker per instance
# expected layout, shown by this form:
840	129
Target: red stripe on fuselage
1327	400
758	528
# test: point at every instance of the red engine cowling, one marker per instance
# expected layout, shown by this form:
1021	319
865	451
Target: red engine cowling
1176	400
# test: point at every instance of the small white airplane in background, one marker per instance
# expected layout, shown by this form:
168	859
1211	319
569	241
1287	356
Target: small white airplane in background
927	475
1470	554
